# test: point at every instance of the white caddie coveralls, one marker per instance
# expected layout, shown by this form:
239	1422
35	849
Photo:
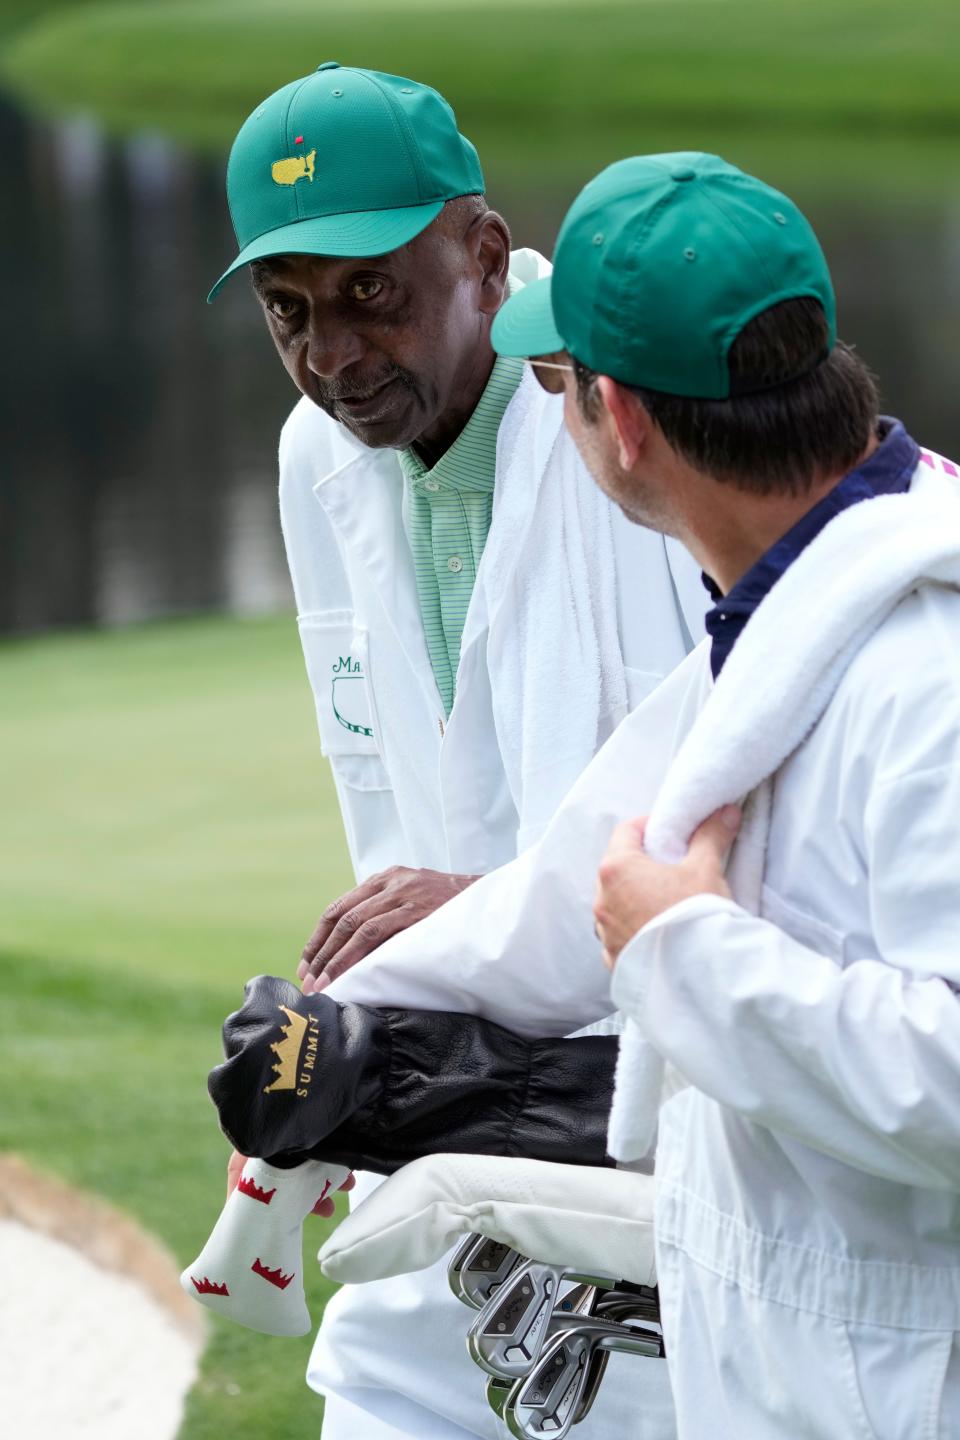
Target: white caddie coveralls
808	1179
463	794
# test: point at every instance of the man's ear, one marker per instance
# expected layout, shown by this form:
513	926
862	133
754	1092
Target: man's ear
630	420
491	242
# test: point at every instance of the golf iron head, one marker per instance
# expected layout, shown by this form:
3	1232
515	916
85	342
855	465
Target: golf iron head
521	1306
559	1391
498	1393
512	1329
463	1250
479	1267
456	1261
508	1334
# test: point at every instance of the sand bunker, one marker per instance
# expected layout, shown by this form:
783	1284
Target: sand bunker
96	1337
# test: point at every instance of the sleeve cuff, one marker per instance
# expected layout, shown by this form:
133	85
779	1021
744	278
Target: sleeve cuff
631	975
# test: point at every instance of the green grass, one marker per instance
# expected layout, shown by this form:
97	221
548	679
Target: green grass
814	91
172	814
169	830
16	14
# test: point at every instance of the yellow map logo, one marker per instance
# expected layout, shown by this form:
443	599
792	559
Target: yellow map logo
294	168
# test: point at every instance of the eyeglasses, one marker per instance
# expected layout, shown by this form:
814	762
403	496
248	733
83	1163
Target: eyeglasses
552	383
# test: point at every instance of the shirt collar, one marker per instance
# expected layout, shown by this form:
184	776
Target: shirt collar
887	471
471	461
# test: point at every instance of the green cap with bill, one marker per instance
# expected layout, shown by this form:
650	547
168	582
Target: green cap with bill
660	263
344	162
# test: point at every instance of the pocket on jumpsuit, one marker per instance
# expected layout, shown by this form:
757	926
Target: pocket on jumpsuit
336	653
337	656
907	1382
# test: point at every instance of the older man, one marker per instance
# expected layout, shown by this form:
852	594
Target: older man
807	1215
476	618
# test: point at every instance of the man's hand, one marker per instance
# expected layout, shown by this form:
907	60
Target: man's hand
235	1169
632	889
363	918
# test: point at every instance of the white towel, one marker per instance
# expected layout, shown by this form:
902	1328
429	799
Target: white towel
774	687
553	585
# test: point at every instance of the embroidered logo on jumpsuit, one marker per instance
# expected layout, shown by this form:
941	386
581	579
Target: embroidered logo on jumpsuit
348	674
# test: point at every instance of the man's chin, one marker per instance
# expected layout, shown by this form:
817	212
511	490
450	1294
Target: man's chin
395	429
379	437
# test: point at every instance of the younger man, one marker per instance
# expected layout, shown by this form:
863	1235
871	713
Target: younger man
808	1179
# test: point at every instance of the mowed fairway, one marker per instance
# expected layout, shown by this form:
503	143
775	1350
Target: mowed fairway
818	93
169	830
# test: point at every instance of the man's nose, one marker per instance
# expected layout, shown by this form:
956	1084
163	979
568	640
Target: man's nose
331	348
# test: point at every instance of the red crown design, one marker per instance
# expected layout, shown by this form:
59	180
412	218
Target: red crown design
276	1277
209	1287
251	1188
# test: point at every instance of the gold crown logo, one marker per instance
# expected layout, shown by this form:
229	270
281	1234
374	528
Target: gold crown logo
287	1052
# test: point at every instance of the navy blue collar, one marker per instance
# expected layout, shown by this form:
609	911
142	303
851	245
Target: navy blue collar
888	471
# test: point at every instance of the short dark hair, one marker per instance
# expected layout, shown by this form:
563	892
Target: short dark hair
807	413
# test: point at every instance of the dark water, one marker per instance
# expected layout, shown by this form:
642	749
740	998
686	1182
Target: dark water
139	425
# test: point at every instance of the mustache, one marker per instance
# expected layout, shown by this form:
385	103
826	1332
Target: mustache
343	387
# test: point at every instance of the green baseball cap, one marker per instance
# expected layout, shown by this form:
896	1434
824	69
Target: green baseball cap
660	263
344	162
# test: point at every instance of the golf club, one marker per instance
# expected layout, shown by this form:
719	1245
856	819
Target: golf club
455	1264
479	1267
498	1393
562	1386
513	1328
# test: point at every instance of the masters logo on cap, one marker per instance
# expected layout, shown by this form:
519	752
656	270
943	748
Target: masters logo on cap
344	162
660	263
297	167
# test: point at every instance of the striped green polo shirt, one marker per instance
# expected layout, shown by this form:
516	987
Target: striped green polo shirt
447	517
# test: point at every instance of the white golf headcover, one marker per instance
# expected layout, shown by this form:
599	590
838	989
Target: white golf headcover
591	1220
251	1268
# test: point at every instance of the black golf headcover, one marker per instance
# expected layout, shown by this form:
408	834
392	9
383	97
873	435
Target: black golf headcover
308	1077
297	1066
